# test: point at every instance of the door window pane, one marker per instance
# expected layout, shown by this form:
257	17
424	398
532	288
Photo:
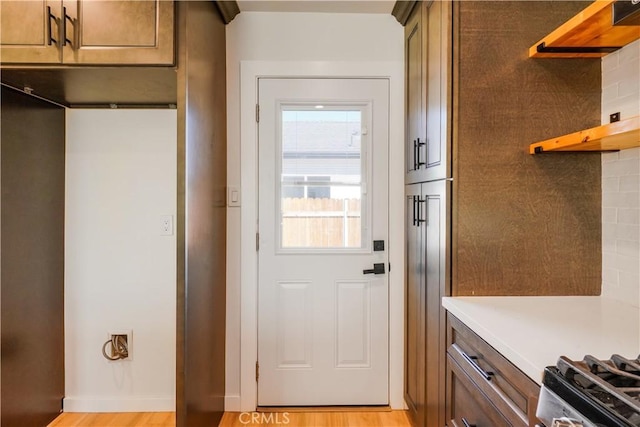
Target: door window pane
321	178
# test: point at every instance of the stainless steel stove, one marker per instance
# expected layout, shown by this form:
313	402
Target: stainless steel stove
591	393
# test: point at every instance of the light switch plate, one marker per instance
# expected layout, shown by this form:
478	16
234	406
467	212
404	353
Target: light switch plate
233	196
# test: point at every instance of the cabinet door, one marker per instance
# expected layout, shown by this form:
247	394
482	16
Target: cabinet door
119	32
435	152
427	74
415	309
467	405
433	217
29	32
414	94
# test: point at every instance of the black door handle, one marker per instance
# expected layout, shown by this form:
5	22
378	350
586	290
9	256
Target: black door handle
377	269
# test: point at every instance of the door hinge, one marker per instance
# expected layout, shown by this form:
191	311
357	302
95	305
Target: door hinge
257	113
257	371
257	242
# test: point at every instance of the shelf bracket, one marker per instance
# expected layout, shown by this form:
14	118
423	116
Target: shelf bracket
543	48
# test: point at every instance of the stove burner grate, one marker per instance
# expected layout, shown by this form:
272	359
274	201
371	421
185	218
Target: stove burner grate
613	383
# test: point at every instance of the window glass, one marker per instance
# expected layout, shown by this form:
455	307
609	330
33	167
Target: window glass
321	177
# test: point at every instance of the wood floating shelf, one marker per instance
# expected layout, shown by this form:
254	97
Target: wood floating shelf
589	34
611	137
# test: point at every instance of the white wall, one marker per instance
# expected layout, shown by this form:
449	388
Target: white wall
323	43
120	273
621	180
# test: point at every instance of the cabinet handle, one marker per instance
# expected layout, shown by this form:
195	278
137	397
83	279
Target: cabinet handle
466	423
419	219
418	145
414	210
65	40
473	362
51	16
415	154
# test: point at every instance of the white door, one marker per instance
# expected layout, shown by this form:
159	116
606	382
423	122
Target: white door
323	172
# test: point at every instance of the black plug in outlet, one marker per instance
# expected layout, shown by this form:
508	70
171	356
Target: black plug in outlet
615	117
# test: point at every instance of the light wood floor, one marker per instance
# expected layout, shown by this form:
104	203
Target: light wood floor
127	419
236	419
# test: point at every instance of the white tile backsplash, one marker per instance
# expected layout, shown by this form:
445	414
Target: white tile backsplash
621	180
628	54
628	216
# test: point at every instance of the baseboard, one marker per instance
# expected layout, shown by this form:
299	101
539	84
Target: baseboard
120	404
232	403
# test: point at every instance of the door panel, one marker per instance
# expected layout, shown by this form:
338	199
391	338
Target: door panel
353	325
427	70
415	95
414	309
323	322
436	152
295	325
33	138
435	195
427	281
119	32
26	31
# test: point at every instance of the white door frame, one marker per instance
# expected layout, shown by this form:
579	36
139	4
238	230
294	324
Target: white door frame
250	71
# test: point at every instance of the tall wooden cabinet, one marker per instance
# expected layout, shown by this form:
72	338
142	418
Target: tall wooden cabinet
71	32
515	224
427	207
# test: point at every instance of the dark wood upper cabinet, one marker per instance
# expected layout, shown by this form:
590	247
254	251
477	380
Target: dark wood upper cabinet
77	32
427	156
415	99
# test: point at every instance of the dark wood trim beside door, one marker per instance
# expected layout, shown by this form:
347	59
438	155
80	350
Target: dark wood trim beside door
201	216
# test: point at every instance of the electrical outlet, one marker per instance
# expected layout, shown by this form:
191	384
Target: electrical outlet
128	336
166	225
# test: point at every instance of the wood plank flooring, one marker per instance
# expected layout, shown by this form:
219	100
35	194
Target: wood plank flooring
237	419
317	419
115	419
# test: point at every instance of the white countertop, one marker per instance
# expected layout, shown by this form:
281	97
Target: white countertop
532	332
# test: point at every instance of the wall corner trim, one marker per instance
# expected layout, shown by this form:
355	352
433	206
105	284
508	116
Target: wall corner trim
402	9
228	10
